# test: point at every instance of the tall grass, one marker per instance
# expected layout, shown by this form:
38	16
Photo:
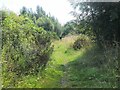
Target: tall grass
92	69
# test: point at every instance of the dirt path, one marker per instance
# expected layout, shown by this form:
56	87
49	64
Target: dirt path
64	78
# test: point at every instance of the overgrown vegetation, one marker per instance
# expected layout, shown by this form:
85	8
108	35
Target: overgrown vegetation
81	41
25	47
37	52
101	19
87	67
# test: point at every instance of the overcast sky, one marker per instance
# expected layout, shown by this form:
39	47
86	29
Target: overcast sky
59	8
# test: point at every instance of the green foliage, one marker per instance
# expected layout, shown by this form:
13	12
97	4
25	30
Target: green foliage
3	15
24	11
46	23
73	69
73	27
86	68
40	12
41	19
91	69
101	19
81	42
26	48
69	28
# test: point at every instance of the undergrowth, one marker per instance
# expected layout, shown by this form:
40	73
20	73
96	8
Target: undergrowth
89	67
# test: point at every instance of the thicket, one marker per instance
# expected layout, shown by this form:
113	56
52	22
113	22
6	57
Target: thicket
26	40
82	41
26	48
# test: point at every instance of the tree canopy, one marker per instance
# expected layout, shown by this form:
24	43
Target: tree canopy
41	19
100	18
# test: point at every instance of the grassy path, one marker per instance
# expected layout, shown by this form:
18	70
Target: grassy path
71	69
76	68
56	73
58	68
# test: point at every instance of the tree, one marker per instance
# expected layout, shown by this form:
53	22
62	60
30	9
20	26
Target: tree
101	18
24	10
40	12
69	27
57	27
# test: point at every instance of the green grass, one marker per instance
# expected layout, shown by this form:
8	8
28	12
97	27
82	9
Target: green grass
85	68
91	70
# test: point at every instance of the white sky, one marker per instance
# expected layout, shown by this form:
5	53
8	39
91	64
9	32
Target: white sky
59	8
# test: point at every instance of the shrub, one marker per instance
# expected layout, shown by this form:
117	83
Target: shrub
25	47
81	41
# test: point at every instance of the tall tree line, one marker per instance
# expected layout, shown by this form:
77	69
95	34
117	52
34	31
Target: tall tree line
41	19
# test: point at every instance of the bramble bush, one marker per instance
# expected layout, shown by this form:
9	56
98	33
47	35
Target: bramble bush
81	41
25	47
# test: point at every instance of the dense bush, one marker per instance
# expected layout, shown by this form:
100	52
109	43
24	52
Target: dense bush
25	47
81	42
